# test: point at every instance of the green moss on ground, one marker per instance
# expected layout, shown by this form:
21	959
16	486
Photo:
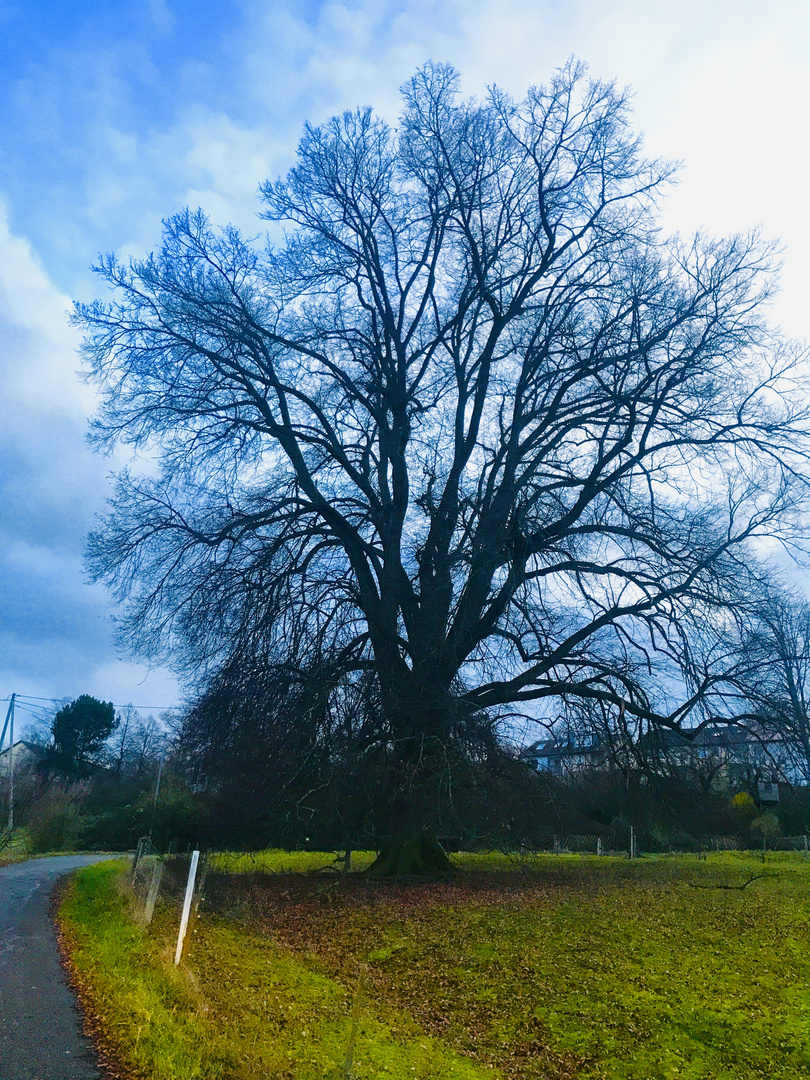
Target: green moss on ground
655	969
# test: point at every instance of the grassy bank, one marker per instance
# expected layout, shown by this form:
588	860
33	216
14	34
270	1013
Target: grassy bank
15	848
552	967
242	1006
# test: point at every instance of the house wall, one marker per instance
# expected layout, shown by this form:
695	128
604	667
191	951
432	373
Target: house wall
24	759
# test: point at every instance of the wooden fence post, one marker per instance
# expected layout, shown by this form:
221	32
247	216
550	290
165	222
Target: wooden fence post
137	859
154	888
205	862
348	1061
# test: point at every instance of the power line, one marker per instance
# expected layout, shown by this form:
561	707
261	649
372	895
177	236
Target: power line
28	698
38	712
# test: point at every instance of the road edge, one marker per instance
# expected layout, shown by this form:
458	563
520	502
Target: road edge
112	1065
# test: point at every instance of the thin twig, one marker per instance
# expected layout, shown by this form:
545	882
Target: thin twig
745	884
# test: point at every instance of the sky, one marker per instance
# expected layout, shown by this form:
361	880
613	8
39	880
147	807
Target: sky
115	116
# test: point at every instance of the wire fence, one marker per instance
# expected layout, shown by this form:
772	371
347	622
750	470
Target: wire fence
225	881
155	875
163	877
736	843
632	842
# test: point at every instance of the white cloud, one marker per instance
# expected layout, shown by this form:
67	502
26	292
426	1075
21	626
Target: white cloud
38	346
722	86
55	633
153	689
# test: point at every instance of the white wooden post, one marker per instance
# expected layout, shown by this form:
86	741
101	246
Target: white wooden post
632	842
599	845
192	875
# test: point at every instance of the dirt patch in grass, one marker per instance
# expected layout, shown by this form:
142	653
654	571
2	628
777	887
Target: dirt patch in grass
392	935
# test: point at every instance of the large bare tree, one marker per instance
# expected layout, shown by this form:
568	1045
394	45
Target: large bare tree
473	424
772	677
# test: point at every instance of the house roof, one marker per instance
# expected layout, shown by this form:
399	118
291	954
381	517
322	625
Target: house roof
555	748
34	749
721	736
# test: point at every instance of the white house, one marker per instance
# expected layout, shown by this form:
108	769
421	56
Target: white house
26	756
746	752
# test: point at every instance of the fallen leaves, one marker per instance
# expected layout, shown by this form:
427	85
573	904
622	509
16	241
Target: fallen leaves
549	974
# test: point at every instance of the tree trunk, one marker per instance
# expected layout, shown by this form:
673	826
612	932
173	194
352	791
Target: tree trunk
418	855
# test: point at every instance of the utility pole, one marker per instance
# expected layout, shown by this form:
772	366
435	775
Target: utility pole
11	769
157	785
10	724
154	801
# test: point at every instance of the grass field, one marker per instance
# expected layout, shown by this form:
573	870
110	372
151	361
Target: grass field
276	861
551	967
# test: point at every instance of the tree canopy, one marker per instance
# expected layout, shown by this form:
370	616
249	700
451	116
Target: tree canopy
472	427
78	733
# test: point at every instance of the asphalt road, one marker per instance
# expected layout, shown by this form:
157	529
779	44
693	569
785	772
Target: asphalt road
40	1030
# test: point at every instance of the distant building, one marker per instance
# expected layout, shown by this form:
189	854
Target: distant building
26	757
748	753
744	752
565	756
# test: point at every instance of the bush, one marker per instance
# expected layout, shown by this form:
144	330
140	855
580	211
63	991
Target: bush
744	808
54	824
765	829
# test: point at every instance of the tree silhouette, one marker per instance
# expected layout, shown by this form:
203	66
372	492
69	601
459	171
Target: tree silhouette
78	733
474	426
